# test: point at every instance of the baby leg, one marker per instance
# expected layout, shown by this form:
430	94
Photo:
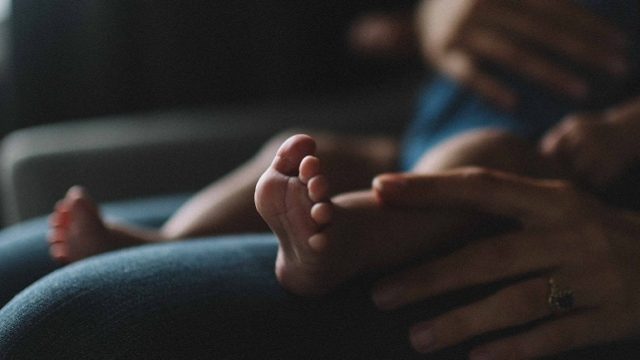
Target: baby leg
226	206
77	230
490	148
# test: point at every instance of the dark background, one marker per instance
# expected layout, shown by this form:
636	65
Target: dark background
71	59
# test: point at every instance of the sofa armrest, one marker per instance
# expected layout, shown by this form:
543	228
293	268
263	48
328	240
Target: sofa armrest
176	151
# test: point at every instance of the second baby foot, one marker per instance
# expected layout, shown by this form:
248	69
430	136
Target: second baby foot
76	228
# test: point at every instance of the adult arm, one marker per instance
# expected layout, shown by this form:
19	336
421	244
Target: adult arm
533	39
565	235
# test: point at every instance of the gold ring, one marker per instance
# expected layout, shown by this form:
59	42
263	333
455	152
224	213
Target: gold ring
560	299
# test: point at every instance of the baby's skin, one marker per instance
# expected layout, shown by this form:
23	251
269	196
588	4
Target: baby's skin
77	230
324	242
226	206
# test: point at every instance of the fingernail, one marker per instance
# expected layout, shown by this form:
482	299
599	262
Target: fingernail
389	183
422	338
578	89
387	297
480	355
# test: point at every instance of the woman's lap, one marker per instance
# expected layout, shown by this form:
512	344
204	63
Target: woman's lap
197	299
24	253
24	258
210	298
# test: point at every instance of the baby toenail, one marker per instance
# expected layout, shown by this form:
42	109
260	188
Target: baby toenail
389	183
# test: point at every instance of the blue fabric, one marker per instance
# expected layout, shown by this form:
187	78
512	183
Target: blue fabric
199	299
446	109
24	253
212	298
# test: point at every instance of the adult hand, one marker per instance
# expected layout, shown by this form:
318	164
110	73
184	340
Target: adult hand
596	148
458	36
585	246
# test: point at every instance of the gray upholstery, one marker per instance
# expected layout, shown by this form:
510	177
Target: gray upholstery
167	152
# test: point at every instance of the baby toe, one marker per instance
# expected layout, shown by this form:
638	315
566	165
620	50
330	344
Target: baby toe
309	167
319	242
318	188
59	218
59	252
322	213
56	235
291	152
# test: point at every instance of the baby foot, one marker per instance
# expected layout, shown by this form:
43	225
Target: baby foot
76	228
292	196
325	242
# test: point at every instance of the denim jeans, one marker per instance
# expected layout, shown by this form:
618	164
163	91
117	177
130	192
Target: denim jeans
211	298
203	298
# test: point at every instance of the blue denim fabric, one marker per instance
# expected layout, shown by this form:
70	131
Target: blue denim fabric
200	299
214	298
211	299
24	253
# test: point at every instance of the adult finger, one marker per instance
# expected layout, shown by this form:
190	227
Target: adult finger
481	262
567	151
498	48
478	189
551	143
576	17
512	306
570	125
525	25
628	112
463	68
565	141
559	335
